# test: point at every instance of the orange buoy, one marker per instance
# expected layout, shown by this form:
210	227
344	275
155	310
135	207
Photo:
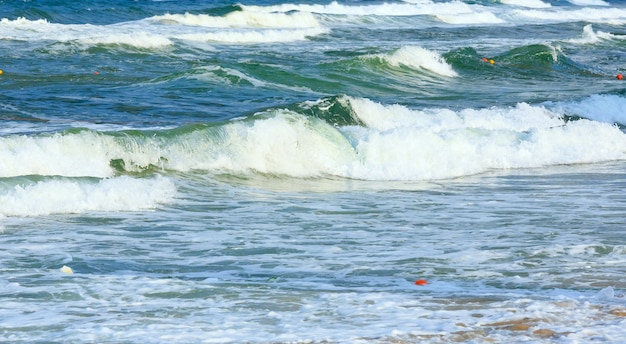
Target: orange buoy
421	282
619	76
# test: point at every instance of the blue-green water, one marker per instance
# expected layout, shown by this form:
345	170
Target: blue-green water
267	171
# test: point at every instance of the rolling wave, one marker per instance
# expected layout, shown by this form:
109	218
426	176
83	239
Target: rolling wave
295	22
242	19
160	32
341	137
334	137
589	36
527	60
419	58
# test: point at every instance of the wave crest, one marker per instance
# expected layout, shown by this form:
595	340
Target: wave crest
244	19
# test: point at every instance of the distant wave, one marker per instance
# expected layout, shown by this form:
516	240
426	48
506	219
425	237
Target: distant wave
297	22
243	19
589	2
459	13
159	32
41	30
589	36
472	18
588	14
420	59
254	36
527	3
531	60
384	9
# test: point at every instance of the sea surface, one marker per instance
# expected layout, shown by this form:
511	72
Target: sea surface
313	171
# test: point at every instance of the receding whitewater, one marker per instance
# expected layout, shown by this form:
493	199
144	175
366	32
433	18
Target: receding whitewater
327	172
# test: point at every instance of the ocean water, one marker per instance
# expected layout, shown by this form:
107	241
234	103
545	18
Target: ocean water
312	171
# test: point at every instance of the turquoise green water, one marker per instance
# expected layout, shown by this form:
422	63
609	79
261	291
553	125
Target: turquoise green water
285	172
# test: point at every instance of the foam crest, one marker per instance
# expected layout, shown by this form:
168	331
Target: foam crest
589	2
237	27
143	40
82	154
394	143
470	18
254	36
23	23
384	9
520	118
40	30
527	3
70	197
281	143
453	12
400	143
587	14
244	19
420	59
24	29
602	108
590	37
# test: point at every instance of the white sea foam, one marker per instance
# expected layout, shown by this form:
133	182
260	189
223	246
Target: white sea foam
405	144
589	36
586	14
160	33
287	22
139	39
399	143
470	18
83	154
603	108
41	30
244	19
68	196
284	143
396	143
23	23
527	3
64	155
420	59
384	9
418	1
589	2
254	36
